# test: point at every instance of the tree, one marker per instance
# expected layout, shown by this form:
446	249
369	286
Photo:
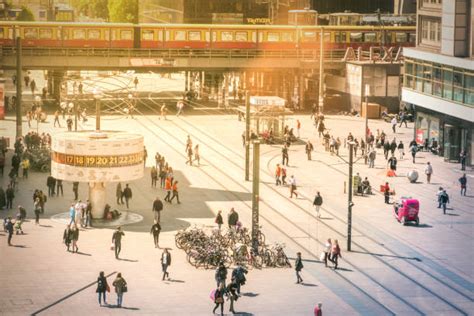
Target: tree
25	15
92	8
125	11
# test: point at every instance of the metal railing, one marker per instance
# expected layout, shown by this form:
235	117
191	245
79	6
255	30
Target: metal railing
303	55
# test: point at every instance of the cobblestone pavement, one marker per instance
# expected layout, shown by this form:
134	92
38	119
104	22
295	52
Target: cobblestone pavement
393	269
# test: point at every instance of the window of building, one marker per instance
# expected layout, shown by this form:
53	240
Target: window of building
437	81
427	79
147	35
430	30
458	91
447	84
469	88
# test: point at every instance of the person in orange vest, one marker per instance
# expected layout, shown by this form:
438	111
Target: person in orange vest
168	189
283	176
298	127
278	174
175	192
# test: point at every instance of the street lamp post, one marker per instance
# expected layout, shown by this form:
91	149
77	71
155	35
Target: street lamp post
247	136
321	72
19	131
96	94
255	194
349	199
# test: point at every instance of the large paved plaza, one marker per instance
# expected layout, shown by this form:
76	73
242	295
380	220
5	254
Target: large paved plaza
392	269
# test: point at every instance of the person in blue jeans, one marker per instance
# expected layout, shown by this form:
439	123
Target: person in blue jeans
120	287
102	287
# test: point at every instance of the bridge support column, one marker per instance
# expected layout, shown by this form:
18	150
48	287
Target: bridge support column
57	79
186	80
202	77
302	84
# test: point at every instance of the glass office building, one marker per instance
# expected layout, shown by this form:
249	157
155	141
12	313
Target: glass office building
439	76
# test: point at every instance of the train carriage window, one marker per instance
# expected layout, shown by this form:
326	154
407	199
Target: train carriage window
126	34
370	37
226	36
241	36
327	37
93	34
287	37
107	35
147	35
65	34
340	37
194	35
78	34
45	34
400	37
356	37
214	36
179	35
412	37
273	37
309	36
31	33
1	32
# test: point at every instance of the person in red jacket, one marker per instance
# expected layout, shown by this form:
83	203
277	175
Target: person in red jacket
168	189
175	192
318	310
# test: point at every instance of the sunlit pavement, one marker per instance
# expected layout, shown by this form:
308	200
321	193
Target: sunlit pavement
393	269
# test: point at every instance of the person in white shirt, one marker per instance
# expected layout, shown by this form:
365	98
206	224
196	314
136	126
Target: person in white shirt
292	183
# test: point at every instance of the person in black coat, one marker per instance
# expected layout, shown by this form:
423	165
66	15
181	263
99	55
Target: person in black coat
10	195
233	218
298	268
127	194
102	287
9	229
157	208
165	263
155	231
3	201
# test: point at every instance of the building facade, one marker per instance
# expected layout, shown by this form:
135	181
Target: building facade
439	76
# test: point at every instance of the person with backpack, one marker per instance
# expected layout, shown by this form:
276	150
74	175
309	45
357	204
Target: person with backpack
298	268
102	287
120	287
318	201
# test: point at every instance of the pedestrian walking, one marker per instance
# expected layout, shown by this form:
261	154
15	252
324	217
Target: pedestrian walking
102	288
394	124
386	149
119	193
238	276
221	274
163	110
135	82
278	174
463	183
127	194
386	193
88	222
175	192
284	155
37	210
51	184
219	298
197	157
309	148
232	219
462	159
327	252
318	311
157	208
335	253
25	166
165	263
9	230
413	151
293	187
75	189
283	176
444	199
219	220
401	150
59	187
56	119
298	268
154	176
120	287
3	200
74	238
438	196
298	127
231	291
189	152
33	87
392	163
428	171
10	195
155	231
67	237
117	241
318	201
179	107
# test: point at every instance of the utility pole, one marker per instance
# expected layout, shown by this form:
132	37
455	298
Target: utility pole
321	72
255	193
349	199
19	79
247	136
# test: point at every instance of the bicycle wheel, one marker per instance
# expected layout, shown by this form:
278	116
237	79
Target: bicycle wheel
268	259
261	238
192	260
282	261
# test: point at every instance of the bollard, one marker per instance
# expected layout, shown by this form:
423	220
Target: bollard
344	187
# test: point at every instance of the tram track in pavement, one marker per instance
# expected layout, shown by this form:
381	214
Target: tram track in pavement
299	228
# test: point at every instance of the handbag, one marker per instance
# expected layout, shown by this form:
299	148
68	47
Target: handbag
219	300
124	288
112	246
322	256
